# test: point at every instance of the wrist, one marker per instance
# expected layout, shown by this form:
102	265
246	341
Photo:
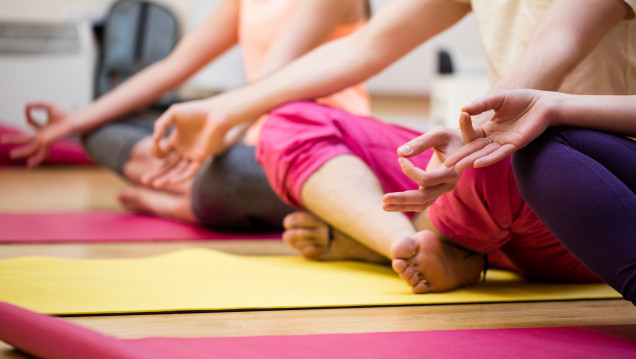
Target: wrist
556	110
75	125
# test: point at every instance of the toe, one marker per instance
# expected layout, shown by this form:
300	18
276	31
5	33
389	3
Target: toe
404	248
300	219
421	287
297	237
415	278
399	265
310	250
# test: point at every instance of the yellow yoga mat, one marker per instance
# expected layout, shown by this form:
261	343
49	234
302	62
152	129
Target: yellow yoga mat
202	279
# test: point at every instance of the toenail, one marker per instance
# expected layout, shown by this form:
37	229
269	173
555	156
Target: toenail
423	281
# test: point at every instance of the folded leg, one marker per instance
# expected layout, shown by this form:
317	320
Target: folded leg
581	184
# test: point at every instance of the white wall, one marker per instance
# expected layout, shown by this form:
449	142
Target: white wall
411	75
60	10
414	73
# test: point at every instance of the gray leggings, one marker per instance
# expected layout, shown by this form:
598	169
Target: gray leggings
230	192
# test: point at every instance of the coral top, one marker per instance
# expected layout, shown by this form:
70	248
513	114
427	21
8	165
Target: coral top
261	21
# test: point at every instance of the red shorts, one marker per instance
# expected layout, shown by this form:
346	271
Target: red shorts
484	213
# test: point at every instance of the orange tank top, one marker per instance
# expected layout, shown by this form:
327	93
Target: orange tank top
260	23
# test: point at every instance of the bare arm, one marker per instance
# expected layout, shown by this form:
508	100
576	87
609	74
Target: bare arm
520	116
310	25
399	28
214	36
567	33
191	54
606	113
565	36
390	34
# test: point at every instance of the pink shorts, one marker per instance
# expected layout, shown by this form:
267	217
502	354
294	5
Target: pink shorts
484	213
299	137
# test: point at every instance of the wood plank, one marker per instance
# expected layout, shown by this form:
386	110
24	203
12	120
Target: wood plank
60	189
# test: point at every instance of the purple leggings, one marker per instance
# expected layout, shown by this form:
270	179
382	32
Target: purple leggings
582	185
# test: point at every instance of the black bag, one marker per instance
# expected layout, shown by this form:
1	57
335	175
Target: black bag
135	35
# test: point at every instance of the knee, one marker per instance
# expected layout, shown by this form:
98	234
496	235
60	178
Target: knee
628	287
530	164
292	139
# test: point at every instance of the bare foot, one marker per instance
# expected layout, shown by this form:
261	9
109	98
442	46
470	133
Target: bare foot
310	236
159	203
429	265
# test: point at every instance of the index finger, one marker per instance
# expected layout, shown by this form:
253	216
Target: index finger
428	178
14	138
435	137
465	151
162	125
483	104
35	106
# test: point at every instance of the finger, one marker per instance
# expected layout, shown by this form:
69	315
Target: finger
433	138
413	197
465	151
188	172
406	207
483	104
414	200
23	151
162	148
37	158
466	127
440	176
165	179
162	125
168	162
28	112
428	178
496	156
15	138
469	161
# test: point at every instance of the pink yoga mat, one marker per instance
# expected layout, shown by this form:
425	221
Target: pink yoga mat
53	338
105	227
64	152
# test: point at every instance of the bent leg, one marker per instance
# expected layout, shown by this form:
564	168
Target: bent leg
338	166
111	145
231	192
158	203
346	193
581	184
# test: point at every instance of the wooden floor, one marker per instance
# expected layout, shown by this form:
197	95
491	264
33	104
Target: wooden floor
68	189
92	188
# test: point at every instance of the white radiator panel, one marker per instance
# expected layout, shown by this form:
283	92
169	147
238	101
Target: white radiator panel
45	62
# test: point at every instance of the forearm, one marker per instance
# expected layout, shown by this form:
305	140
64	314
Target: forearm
606	113
311	24
141	90
568	32
215	35
398	29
